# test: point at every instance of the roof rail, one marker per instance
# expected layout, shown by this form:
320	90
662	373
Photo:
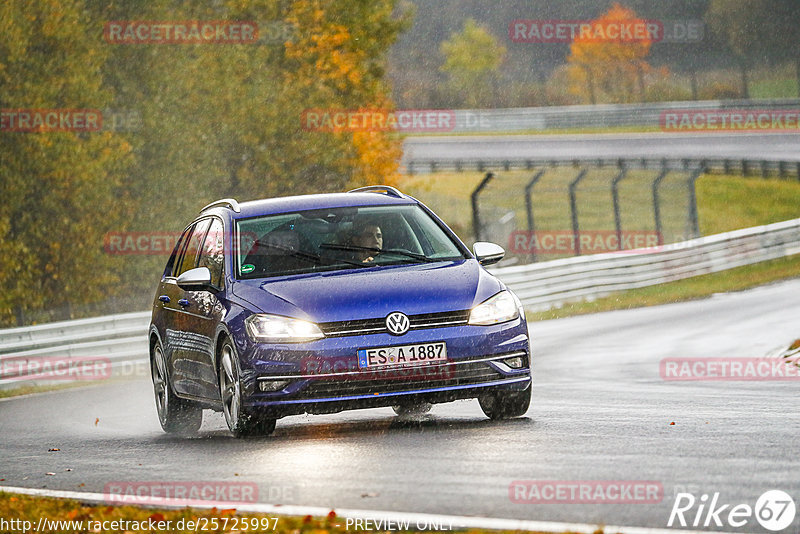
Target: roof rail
389	190
223	203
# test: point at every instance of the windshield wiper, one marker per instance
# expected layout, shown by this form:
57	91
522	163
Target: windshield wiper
356	248
311	257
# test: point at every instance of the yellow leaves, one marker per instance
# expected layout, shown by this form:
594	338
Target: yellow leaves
377	159
607	60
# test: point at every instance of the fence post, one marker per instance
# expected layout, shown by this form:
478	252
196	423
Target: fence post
476	222
693	201
615	200
657	205
574	209
529	209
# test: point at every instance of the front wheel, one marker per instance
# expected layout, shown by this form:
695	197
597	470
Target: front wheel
176	415
241	422
505	404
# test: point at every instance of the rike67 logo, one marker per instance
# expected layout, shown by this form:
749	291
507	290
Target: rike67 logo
774	510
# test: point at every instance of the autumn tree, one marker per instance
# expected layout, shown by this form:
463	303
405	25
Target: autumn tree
472	58
216	120
61	190
607	62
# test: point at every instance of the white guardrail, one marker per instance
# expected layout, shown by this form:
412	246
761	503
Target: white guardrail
121	340
599	115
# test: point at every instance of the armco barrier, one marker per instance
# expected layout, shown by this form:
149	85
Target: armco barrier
544	285
123	338
601	116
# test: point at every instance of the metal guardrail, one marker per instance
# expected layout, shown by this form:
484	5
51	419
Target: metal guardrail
122	339
646	115
543	285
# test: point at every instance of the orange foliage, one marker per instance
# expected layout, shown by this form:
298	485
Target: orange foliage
611	63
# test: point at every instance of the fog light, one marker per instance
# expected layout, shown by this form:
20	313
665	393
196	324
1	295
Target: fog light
272	385
515	362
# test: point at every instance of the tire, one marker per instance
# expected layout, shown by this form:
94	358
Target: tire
176	415
506	404
420	408
241	422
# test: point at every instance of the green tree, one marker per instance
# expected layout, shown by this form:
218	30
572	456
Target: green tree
472	59
757	32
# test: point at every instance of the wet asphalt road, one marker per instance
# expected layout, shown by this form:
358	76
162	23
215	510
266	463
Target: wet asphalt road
600	411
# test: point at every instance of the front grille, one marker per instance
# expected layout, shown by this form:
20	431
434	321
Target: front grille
378	325
434	376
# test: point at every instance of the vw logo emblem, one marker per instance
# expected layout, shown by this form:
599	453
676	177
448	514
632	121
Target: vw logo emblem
397	323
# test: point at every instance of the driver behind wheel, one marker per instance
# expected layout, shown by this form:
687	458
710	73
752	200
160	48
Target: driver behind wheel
366	234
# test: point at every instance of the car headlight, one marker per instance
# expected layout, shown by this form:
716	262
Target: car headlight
265	328
498	309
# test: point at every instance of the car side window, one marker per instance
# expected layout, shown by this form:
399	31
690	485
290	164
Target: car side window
176	252
212	255
189	258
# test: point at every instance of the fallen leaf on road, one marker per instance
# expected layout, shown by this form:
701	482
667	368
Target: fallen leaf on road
53	450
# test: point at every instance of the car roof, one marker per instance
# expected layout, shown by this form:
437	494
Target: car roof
273	206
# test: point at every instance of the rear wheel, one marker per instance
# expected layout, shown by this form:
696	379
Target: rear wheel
420	408
506	404
241	422
176	415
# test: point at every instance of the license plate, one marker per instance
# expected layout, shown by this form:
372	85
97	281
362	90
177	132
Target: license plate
402	355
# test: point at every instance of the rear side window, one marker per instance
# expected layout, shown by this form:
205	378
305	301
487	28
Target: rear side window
176	253
211	255
188	258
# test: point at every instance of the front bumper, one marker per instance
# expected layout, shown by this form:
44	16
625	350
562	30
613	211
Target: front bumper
475	367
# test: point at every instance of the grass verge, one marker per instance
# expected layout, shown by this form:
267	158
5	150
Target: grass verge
689	289
122	519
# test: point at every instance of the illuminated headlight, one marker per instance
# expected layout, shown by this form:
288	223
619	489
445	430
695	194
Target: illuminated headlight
265	328
498	309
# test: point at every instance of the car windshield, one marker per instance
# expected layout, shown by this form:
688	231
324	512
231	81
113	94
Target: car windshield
340	238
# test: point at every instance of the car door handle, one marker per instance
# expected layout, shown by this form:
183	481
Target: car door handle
163	298
184	302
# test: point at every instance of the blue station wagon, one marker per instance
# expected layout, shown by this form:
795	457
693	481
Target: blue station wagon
323	303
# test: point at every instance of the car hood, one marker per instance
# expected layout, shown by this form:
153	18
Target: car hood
371	293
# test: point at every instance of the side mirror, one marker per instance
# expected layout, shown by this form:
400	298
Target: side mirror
487	253
197	279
